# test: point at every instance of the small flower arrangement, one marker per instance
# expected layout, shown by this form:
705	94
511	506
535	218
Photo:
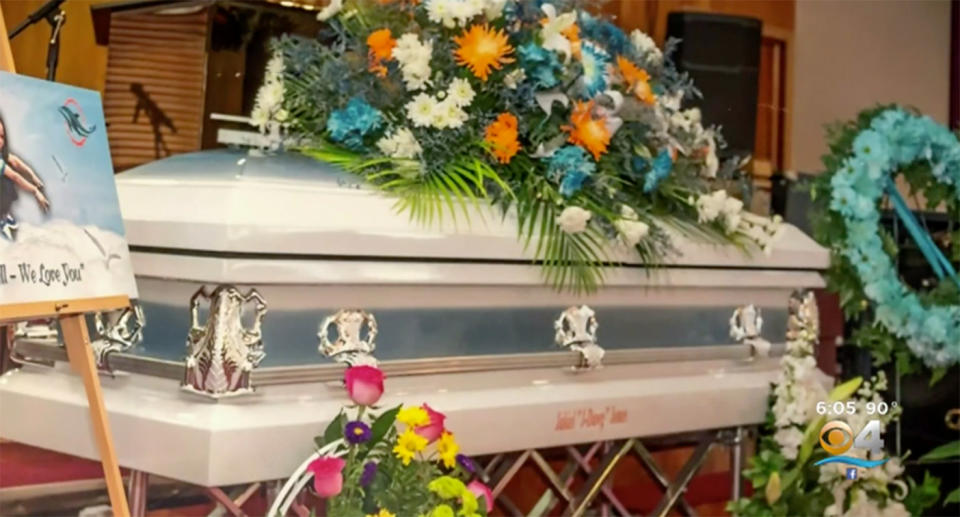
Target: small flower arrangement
394	462
540	108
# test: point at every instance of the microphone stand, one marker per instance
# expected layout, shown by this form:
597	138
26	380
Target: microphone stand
56	17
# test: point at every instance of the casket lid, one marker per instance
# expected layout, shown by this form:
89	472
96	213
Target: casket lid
288	205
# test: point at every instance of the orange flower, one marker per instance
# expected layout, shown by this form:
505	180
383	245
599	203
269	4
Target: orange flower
482	49
381	45
637	79
590	133
501	134
572	33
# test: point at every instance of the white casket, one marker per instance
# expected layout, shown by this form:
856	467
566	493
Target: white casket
465	324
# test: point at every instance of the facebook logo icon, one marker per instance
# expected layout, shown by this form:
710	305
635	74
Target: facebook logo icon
851	473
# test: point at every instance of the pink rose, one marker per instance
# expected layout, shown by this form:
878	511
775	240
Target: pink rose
434	429
481	490
327	476
364	384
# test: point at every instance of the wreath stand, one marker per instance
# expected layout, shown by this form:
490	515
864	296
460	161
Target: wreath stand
76	338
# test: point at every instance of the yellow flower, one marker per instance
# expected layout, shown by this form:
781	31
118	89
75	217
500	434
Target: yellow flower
408	445
447	487
413	416
468	503
448	448
444	510
383	513
481	49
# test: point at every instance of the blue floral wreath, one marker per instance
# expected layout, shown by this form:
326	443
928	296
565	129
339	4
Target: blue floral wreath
896	139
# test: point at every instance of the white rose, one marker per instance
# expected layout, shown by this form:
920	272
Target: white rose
631	232
573	219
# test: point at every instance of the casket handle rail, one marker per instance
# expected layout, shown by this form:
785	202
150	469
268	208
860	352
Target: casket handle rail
355	331
222	352
576	330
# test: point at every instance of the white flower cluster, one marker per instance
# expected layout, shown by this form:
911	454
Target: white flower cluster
646	47
573	219
268	114
631	230
719	205
797	392
458	13
414	59
400	144
330	10
676	126
444	112
863	506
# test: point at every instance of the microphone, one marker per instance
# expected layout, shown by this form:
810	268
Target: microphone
34	17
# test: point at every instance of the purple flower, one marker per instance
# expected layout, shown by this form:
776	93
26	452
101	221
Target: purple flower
467	463
369	471
356	432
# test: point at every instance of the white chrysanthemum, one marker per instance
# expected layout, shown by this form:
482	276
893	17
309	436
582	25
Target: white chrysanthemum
448	114
494	9
789	440
573	219
552	30
330	10
413	56
460	92
645	46
454	13
400	144
420	110
514	78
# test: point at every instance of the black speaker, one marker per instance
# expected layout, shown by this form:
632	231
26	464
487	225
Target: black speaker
722	55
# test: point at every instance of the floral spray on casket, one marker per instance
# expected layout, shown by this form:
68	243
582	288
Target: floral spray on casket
552	114
393	462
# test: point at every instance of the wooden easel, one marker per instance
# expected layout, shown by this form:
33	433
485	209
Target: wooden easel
76	339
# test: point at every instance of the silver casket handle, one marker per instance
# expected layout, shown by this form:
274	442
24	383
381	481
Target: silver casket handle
745	327
576	330
353	343
221	352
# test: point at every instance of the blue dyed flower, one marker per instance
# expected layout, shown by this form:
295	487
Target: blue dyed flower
571	166
356	432
874	149
935	327
349	125
369	472
540	65
842	200
604	32
660	169
594	60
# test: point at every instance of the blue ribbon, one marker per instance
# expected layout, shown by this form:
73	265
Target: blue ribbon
941	266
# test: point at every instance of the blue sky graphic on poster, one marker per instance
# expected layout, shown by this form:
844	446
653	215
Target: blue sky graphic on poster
76	248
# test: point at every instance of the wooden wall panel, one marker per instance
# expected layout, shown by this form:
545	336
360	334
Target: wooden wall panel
155	85
82	62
